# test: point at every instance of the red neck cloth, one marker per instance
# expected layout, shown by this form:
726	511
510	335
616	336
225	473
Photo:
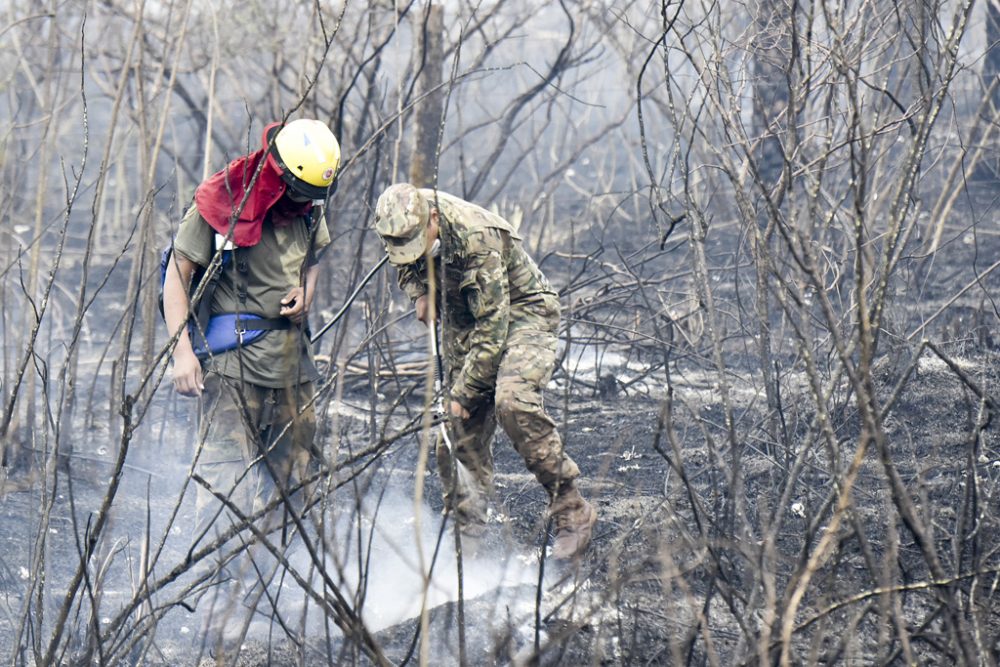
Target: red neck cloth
219	197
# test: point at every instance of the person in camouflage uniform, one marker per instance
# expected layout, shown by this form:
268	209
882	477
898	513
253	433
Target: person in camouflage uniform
500	322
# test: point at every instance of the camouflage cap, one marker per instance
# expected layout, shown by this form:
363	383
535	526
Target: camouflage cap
401	216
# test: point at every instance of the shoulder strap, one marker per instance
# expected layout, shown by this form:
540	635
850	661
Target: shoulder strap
204	311
312	227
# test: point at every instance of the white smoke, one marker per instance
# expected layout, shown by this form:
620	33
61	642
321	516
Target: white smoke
399	583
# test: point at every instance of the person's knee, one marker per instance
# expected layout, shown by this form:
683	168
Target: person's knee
523	416
544	455
510	401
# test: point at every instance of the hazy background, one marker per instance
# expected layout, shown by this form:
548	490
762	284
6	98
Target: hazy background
836	164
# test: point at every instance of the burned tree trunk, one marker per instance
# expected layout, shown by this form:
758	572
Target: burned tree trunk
429	30
770	90
988	169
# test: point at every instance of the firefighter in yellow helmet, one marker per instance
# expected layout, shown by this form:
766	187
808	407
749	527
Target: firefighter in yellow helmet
308	155
249	359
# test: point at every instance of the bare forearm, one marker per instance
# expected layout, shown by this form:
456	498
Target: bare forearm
188	378
176	306
312	277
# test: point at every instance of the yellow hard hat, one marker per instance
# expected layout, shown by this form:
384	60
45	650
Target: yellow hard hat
308	155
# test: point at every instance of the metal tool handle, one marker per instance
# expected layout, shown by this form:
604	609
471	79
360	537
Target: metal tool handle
439	379
436	349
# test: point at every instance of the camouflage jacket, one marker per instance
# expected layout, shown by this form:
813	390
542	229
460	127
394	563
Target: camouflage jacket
493	293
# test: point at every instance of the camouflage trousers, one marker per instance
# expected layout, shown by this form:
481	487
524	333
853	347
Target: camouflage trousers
526	366
252	439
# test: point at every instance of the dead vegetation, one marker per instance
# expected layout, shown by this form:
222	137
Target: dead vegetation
773	230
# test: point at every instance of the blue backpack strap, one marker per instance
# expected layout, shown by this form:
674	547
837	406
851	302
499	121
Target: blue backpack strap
227	331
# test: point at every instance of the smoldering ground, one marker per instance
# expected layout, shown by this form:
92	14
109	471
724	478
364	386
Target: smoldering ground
390	556
675	562
394	559
809	475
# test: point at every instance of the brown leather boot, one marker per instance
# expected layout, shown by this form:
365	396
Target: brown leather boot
574	520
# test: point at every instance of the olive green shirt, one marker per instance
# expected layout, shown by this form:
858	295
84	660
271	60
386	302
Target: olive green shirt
279	358
495	293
